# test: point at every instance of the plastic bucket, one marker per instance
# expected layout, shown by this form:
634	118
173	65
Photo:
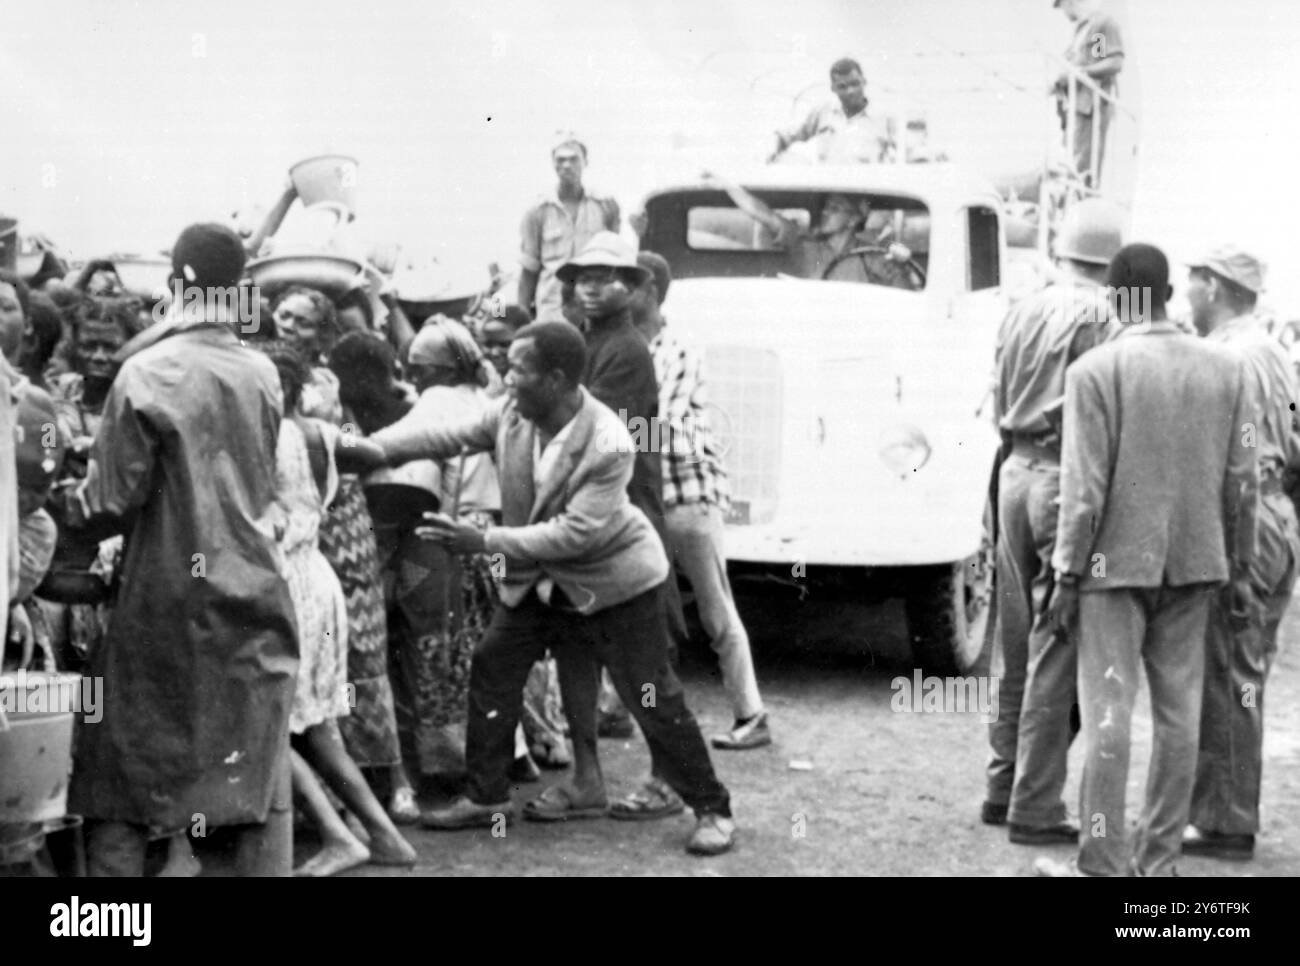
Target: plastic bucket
35	746
328	177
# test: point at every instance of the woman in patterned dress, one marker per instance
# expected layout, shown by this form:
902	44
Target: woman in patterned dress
307	319
306	480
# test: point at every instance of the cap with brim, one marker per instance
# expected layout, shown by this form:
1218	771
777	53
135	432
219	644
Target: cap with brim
1235	265
605	250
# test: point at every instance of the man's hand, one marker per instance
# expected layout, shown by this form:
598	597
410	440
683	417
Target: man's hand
898	252
1063	609
1244	609
455	536
20	634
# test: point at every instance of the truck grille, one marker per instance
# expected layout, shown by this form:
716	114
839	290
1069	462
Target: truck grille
746	391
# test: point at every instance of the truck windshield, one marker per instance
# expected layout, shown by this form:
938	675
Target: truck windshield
835	236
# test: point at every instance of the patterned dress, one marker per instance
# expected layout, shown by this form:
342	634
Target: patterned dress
318	604
347	540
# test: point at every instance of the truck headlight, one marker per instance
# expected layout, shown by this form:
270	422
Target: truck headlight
904	449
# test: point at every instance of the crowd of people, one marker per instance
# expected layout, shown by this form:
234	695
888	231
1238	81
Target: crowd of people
327	564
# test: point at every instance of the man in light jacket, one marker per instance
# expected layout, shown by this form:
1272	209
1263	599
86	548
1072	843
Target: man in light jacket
583	575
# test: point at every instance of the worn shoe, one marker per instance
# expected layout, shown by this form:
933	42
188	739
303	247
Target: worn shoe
615	725
403	809
1218	845
713	835
463	813
1050	868
1063	834
991	813
753	733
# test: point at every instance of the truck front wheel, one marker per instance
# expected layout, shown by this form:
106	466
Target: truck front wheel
949	614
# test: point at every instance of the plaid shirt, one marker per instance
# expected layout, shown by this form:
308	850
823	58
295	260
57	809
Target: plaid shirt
691	462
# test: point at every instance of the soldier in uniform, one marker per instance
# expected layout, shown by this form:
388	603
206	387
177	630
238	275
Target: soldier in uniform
1039	339
1222	290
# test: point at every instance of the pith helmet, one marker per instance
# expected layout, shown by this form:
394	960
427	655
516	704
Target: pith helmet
1093	232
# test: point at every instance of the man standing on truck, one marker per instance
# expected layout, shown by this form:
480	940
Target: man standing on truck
845	117
1097	51
1039	339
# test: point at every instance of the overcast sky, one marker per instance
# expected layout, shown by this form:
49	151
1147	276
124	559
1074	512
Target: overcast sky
122	121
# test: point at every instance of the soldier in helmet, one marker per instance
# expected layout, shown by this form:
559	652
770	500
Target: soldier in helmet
1038	340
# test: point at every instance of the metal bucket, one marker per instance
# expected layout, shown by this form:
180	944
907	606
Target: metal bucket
35	746
328	177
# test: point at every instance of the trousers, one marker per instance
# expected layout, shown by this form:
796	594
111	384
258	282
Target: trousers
695	542
630	640
1229	765
1164	628
1028	489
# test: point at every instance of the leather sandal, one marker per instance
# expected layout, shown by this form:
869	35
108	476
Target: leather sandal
556	804
653	800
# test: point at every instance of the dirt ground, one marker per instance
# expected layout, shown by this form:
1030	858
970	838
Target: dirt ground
849	786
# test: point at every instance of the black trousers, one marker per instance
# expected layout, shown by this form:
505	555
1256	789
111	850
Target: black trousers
629	639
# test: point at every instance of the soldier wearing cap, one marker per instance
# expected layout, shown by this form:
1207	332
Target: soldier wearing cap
1096	51
558	227
1222	288
1041	337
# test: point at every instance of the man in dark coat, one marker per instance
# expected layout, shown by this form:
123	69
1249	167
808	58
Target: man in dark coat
200	658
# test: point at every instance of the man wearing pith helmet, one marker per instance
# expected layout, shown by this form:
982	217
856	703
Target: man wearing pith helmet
1222	288
1038	341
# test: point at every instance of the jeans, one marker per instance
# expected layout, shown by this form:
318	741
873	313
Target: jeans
1165	628
630	640
695	542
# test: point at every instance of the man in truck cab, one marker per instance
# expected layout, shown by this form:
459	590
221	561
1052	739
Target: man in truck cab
824	251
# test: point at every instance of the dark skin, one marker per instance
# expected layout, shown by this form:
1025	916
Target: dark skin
547	399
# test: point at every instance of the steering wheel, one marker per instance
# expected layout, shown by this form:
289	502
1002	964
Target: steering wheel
860	253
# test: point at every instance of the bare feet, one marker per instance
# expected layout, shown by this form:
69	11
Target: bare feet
389	848
333	858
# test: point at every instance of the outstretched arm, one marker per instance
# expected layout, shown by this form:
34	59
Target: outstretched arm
750	205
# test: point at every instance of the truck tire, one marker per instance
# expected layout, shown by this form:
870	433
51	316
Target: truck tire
950	615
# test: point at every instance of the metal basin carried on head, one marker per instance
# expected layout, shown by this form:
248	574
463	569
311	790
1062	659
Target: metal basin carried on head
332	274
35	746
327	177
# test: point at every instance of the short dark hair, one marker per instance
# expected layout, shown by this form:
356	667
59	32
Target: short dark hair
20	289
363	359
558	346
659	271
122	312
213	254
845	65
1140	267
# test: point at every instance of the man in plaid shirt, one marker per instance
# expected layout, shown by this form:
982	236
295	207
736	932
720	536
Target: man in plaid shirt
695	497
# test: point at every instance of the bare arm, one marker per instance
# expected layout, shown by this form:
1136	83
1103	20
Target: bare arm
750	205
271	224
527	290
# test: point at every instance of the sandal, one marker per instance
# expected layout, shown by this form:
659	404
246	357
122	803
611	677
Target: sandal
653	800
556	805
403	809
